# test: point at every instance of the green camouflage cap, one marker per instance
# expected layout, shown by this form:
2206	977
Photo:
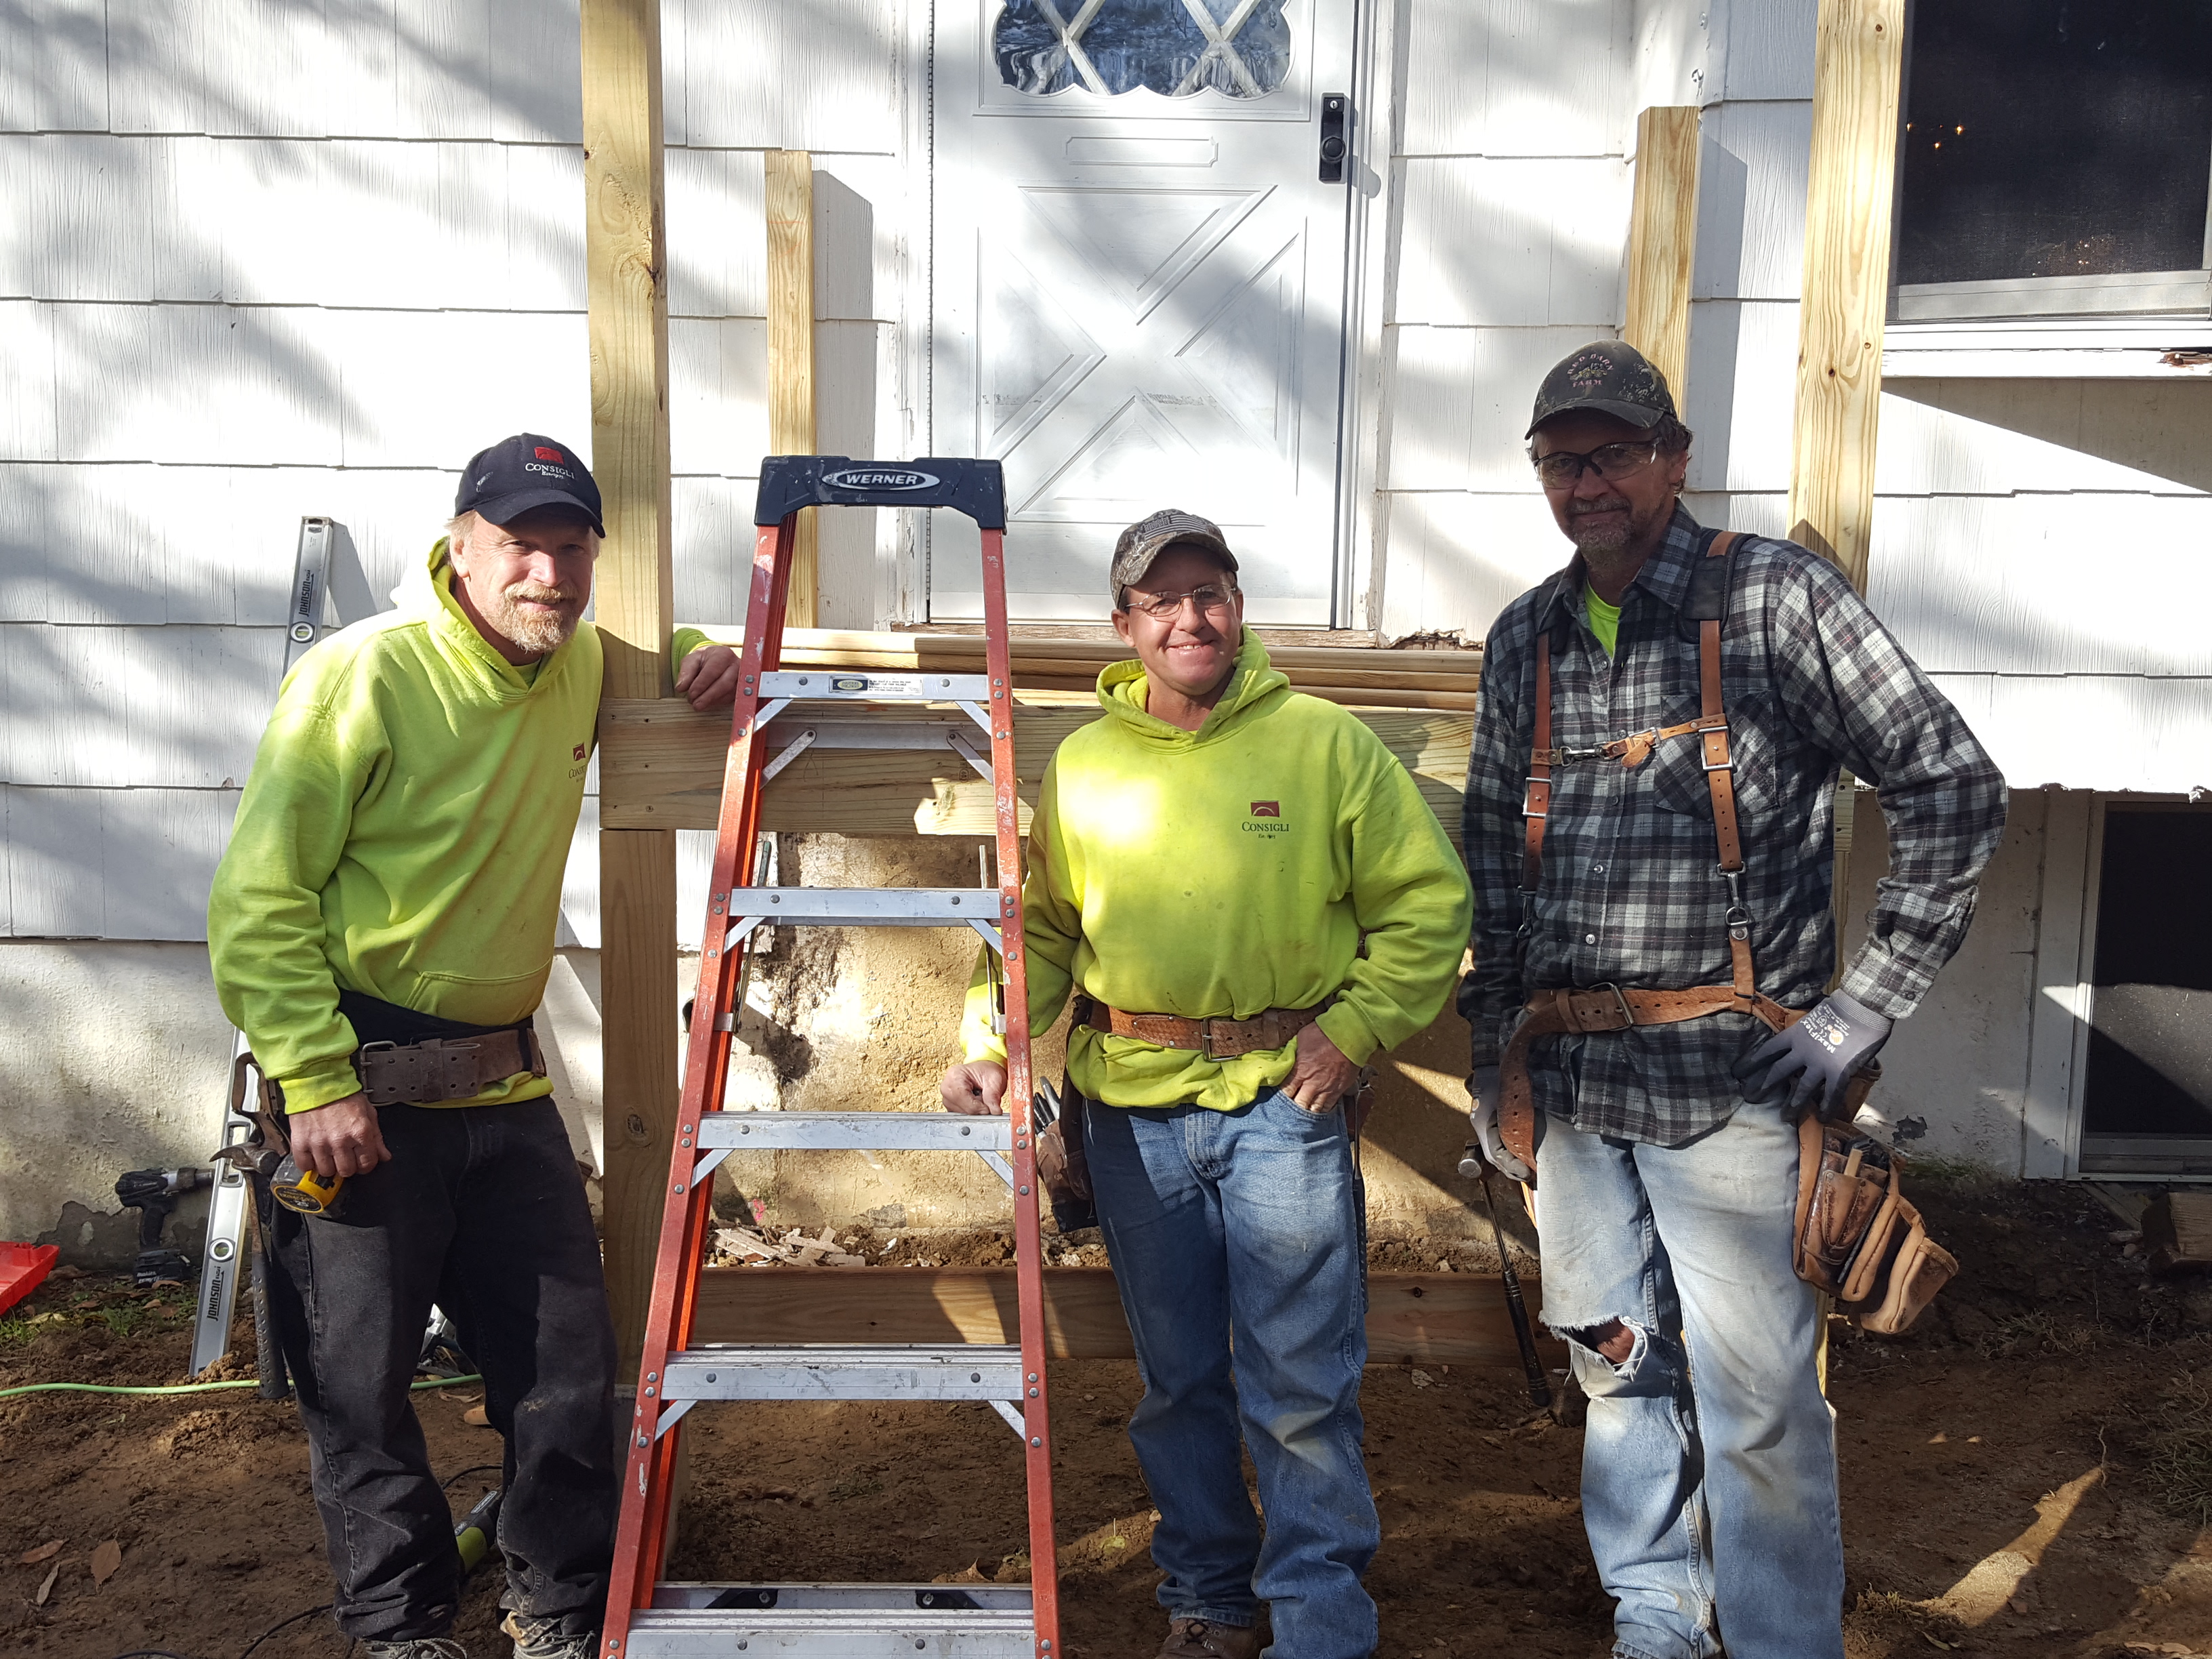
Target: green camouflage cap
1145	540
1610	376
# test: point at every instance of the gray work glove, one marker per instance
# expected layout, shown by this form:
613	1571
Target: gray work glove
1484	1093
1811	1062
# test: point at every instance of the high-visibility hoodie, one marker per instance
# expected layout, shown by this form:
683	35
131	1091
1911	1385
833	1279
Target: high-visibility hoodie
402	835
1275	857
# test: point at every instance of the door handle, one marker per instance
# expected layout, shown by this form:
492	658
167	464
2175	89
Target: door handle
1335	123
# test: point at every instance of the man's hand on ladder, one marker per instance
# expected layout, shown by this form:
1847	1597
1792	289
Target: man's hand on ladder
975	1088
708	676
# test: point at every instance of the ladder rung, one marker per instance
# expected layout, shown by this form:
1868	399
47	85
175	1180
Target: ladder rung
906	1371
868	907
870	1132
867	685
834	1622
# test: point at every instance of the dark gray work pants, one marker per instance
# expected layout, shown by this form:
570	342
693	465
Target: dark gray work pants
482	1211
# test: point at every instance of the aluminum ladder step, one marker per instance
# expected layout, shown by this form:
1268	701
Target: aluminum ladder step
868	907
870	685
902	1371
856	1131
834	1622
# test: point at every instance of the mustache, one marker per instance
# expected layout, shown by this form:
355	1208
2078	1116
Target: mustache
539	593
1578	506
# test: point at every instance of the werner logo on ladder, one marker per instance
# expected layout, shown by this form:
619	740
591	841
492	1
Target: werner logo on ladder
647	1618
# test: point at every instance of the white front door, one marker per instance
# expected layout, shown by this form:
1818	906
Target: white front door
1139	288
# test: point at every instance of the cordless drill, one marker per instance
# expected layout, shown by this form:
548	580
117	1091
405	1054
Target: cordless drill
154	1193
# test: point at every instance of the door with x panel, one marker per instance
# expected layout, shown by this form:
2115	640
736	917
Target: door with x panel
1140	282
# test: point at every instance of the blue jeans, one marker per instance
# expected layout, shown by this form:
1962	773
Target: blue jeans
1247	1227
1708	1478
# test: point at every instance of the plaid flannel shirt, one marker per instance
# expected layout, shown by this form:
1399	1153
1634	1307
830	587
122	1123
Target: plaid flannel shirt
1631	892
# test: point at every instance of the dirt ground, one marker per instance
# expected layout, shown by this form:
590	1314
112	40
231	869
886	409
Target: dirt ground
2029	1474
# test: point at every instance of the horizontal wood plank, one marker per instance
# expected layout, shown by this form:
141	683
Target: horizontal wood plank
1453	1319
661	762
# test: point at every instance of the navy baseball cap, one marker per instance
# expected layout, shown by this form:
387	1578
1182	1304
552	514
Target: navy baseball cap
529	470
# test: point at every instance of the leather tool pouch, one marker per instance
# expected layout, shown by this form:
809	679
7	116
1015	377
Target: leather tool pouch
1062	1167
1859	1238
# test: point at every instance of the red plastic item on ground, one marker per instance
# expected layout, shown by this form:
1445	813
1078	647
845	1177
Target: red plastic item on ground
23	1268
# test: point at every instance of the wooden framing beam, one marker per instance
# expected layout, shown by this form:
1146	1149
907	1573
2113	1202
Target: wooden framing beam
1850	199
1662	234
626	253
789	181
1454	1319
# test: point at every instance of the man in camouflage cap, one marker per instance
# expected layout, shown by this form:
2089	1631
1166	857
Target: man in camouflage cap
1672	862
1248	898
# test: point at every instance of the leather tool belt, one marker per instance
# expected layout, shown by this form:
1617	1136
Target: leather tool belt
1217	1038
449	1068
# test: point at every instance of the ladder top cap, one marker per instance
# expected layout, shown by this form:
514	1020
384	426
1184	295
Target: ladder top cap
976	487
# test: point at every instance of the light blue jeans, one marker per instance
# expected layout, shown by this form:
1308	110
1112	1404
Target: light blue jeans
1709	1479
1247	1227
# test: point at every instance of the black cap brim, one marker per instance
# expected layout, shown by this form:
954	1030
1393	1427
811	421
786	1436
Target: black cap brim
505	509
1636	415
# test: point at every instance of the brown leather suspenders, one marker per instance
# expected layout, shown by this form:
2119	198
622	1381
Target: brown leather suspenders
1611	1008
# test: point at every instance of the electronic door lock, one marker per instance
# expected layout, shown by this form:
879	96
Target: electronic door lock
1335	126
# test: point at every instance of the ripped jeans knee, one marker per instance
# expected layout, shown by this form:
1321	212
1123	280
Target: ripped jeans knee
1611	1355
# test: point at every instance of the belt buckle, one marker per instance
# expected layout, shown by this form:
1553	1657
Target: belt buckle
1627	1013
1205	1042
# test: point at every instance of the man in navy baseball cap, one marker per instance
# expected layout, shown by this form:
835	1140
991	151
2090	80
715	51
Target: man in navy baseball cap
527	470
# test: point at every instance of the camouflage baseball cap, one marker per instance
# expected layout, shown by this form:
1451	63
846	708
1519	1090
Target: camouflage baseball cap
1151	536
1610	376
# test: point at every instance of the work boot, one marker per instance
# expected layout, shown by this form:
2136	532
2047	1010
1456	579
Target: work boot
1202	1639
418	1647
541	1639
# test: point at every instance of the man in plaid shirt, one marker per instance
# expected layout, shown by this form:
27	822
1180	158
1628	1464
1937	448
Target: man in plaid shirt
1668	1152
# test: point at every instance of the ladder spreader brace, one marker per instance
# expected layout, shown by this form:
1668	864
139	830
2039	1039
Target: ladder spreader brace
648	1619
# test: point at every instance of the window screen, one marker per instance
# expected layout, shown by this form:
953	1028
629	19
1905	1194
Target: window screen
2056	138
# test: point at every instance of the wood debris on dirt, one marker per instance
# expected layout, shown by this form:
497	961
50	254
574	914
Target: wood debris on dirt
106	1560
745	1246
45	1551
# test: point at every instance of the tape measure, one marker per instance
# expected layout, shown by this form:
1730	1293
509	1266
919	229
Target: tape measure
304	1190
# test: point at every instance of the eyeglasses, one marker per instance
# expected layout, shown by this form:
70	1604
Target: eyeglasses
1563	468
1165	607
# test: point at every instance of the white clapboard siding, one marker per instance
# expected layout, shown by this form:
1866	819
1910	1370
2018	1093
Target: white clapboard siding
1457	559
53	66
1752	165
157	66
2043	584
113	863
27	382
2113	732
766	73
717	235
1749	512
1743	356
1989	437
1762	49
1516	77
416	393
1461	402
1520	243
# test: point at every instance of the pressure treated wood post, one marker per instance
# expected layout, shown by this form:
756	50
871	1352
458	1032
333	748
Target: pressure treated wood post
626	250
1663	233
1851	193
790	198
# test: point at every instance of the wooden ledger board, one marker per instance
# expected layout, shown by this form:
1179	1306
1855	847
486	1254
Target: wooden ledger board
1452	1319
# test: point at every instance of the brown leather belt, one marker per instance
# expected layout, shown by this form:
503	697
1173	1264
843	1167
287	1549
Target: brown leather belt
451	1068
1217	1038
1605	1008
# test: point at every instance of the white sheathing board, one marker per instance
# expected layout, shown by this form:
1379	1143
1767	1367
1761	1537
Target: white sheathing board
261	260
1753	162
1516	77
1513	242
2115	733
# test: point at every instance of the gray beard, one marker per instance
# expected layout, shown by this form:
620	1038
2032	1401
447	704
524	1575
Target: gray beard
531	630
1605	548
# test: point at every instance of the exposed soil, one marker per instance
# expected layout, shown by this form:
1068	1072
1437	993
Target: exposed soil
2029	1473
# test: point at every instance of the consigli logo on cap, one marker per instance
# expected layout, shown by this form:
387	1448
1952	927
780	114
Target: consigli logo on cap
879	477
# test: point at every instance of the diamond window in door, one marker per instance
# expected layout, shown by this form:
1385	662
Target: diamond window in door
1174	47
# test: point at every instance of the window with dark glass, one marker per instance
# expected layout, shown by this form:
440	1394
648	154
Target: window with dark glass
2057	155
1175	47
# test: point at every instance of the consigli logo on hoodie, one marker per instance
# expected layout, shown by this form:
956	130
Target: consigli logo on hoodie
1266	818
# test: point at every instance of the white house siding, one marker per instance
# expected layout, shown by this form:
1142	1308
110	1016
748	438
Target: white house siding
1510	206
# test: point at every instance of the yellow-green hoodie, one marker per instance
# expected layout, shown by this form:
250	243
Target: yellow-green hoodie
402	835
1275	857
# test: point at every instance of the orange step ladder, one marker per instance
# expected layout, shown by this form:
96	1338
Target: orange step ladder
648	1618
